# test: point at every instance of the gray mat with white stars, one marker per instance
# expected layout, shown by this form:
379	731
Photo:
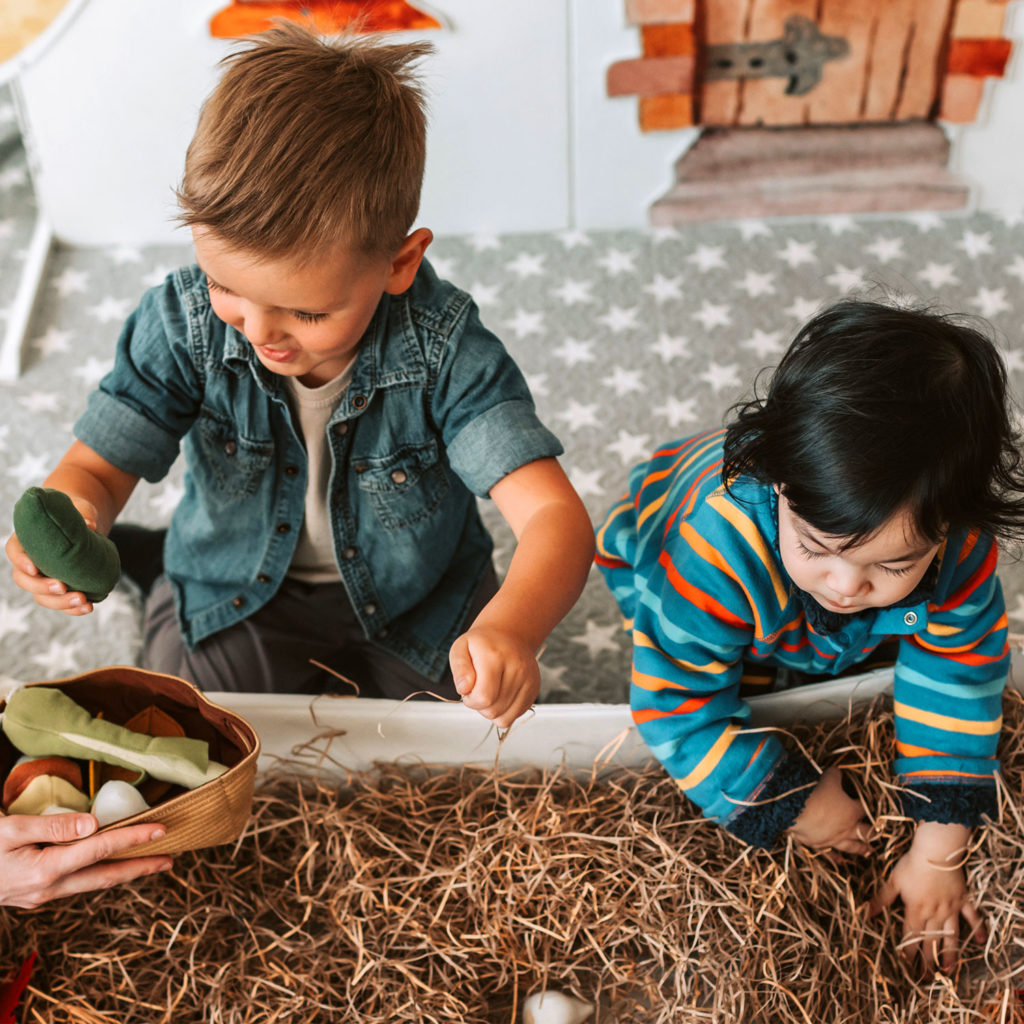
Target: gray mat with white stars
627	339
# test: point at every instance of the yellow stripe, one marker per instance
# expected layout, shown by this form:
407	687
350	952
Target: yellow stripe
947	722
624	504
750	533
941	629
709	761
682	463
642	640
648	510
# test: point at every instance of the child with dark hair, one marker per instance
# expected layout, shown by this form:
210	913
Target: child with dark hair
856	504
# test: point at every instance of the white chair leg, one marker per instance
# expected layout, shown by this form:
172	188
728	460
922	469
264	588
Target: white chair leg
20	311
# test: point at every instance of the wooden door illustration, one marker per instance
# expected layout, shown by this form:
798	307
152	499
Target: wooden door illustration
813	62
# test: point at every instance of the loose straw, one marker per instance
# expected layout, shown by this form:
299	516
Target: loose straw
430	895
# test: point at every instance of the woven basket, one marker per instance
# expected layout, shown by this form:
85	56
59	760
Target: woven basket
214	813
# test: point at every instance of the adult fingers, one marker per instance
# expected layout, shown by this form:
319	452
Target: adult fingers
105	875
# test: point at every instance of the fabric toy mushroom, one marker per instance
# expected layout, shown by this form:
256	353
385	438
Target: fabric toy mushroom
555	1008
56	538
44	721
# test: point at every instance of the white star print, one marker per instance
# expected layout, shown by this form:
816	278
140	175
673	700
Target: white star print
938	274
975	244
803	309
617	261
157	275
93	370
664	288
663	233
53	341
752	229
671	347
577	415
755	284
525	323
572	352
925	220
41	401
840	223
676	411
7	227
1016	268
484	240
618	319
30	470
14	617
125	254
629	447
1014	359
623	381
444	265
1018	612
71	281
110	309
4	431
990	301
797	253
707	257
537	383
711	315
58	659
572	291
885	250
13	177
527	265
764	343
598	639
847	279
720	377
586	482
485	294
570	239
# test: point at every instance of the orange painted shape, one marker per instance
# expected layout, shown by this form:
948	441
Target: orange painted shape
249	17
665	113
674	40
659	12
978	57
651	76
961	98
978	19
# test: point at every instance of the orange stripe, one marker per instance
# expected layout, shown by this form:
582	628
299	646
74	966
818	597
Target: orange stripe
957	775
1000	624
980	575
687	707
753	757
698	598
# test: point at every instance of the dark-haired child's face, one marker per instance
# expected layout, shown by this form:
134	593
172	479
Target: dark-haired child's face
876	573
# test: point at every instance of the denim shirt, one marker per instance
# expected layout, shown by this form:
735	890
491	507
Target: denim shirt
436	412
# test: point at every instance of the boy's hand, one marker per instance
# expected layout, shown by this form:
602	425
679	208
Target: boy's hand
931	884
831	819
47	592
495	673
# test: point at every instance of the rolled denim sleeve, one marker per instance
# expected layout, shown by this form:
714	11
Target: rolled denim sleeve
141	409
484	408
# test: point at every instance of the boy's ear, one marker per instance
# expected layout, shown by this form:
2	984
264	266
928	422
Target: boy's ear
408	260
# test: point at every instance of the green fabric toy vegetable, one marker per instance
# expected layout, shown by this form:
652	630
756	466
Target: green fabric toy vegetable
43	721
54	535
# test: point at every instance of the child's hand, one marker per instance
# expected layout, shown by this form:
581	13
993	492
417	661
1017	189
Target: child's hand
495	673
831	819
931	884
47	592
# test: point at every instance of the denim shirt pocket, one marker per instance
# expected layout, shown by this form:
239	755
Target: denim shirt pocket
404	487
232	464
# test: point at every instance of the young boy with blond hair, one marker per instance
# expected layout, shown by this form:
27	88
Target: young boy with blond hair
340	407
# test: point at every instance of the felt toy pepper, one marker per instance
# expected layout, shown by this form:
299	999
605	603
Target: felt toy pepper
56	538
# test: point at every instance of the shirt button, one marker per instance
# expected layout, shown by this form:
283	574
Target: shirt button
843	638
340	429
370	609
283	527
910	618
382	632
359	401
263	578
399	476
360	467
239	602
348	554
230	447
291	470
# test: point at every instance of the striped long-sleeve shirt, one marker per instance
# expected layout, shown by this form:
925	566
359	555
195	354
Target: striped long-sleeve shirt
696	572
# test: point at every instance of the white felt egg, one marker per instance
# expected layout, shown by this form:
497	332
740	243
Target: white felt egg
555	1008
116	800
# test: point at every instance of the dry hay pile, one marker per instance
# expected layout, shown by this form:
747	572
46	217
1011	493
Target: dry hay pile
448	896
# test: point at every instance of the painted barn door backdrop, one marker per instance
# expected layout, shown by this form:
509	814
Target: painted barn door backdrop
810	105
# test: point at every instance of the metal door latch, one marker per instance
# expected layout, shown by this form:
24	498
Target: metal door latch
799	56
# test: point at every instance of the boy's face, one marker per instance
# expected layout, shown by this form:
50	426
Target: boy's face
307	321
876	573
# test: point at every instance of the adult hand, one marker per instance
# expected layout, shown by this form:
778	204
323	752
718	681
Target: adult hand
45	591
831	819
930	881
32	872
496	674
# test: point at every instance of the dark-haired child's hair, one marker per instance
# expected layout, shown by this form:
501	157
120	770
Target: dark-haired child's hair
875	409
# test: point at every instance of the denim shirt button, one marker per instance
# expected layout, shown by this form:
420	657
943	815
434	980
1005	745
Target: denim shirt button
399	476
239	602
230	447
283	527
360	467
341	429
381	633
348	554
291	470
370	609
263	578
910	618
359	401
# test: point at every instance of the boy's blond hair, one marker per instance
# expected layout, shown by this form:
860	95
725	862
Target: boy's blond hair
307	143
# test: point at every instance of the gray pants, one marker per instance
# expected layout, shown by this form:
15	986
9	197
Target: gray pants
272	650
